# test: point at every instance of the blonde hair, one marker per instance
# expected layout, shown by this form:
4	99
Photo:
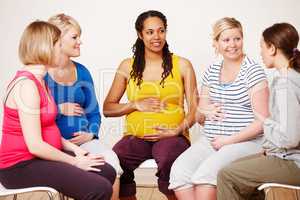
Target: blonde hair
37	43
225	24
63	22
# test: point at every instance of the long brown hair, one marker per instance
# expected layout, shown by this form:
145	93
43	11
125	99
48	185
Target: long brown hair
138	50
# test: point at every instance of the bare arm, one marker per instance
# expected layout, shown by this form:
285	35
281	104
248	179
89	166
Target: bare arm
69	146
207	109
204	97
112	106
191	94
259	95
28	107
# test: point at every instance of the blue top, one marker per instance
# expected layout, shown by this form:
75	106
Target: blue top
82	92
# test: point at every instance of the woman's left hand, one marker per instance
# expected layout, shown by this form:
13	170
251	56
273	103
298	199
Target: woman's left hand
161	133
81	137
220	141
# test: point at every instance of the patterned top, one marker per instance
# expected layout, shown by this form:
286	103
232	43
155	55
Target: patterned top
233	97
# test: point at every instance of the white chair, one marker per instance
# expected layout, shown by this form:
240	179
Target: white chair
52	193
266	186
150	163
280	191
145	174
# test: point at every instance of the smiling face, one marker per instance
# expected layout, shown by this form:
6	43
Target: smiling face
230	44
153	34
71	42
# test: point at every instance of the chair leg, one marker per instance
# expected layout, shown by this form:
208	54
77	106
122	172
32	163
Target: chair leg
15	196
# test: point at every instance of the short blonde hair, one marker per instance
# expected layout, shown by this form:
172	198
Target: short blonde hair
63	22
37	43
225	24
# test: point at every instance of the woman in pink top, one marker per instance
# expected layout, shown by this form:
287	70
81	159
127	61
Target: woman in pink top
31	149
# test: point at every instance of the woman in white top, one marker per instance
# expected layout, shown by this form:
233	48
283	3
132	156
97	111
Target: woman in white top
233	93
280	161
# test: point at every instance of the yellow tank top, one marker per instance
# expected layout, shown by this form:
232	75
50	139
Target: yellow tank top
143	123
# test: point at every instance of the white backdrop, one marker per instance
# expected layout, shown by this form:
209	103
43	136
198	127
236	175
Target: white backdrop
108	32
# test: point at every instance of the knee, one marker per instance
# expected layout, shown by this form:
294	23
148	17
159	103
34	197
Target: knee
205	174
121	162
117	150
123	146
165	164
120	153
223	175
109	173
179	177
174	170
109	191
125	162
112	159
105	192
168	161
98	188
177	172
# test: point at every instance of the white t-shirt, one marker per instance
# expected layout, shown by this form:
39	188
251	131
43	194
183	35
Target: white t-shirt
233	97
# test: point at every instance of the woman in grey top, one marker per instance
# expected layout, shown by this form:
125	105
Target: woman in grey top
280	161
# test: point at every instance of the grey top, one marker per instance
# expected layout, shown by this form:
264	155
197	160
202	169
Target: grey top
282	128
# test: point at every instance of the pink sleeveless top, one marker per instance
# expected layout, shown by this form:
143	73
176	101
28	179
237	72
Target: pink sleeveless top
13	148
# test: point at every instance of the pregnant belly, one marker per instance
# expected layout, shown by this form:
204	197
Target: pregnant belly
144	123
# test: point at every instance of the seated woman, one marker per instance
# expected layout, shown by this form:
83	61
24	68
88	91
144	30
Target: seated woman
72	86
32	152
233	93
280	162
156	82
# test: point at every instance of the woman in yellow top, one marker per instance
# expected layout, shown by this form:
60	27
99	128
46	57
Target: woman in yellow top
156	82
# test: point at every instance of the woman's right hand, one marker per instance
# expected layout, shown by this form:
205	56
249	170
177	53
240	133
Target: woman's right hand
212	112
89	162
151	104
71	109
81	137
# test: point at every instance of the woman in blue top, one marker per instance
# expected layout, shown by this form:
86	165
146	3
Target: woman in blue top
72	86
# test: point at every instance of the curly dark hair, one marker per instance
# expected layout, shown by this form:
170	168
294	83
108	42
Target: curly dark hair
138	50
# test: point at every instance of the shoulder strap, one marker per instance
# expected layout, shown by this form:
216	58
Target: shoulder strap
176	70
11	86
22	75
